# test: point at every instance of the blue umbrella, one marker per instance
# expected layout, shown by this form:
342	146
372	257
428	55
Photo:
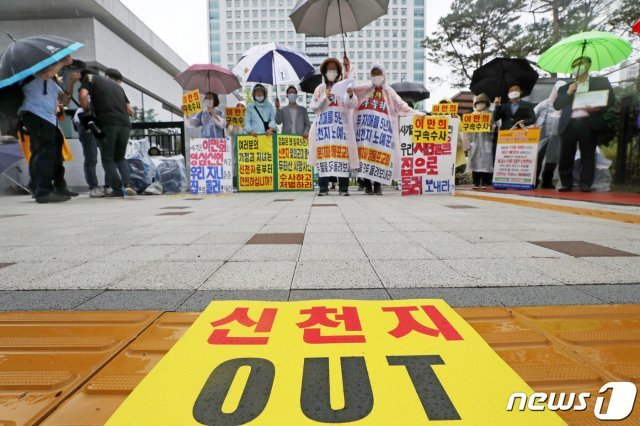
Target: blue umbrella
27	56
273	64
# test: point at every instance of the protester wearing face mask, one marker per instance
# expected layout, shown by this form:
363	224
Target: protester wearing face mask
378	99
480	148
293	117
341	134
581	127
210	119
260	116
515	113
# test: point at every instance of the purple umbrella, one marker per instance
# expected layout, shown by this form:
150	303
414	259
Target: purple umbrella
208	78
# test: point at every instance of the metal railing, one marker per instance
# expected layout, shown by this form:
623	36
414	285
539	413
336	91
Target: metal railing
167	136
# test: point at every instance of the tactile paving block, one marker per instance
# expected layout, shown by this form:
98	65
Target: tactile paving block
46	356
94	403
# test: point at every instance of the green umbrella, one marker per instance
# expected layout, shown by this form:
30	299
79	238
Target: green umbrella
604	49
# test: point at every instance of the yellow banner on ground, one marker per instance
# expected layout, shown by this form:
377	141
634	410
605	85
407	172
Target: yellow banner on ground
235	116
476	123
449	108
255	163
191	102
387	362
429	129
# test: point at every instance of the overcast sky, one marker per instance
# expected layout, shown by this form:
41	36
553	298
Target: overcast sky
183	26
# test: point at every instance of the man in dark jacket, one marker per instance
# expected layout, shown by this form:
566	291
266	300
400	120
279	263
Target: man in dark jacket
515	113
583	127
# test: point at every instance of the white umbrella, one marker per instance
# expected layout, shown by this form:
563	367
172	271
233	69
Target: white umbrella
324	18
273	64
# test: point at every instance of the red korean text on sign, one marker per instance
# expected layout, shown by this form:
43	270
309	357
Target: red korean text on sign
220	336
319	317
407	323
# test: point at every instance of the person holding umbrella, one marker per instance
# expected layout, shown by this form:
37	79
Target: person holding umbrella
260	115
516	113
332	143
581	127
210	120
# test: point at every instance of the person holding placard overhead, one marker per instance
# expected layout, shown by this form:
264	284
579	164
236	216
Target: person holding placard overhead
582	124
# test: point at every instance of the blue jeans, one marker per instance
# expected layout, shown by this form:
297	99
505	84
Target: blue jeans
90	152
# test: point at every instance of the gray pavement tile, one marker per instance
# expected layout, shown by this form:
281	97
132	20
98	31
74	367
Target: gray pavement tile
199	300
419	273
142	253
571	270
426	238
547	295
324	228
498	272
251	276
224	238
612	293
372	227
127	300
335	274
167	275
288	228
504	250
267	253
203	253
347	294
330	238
396	251
22	275
486	236
43	300
54	253
628	265
455	297
329	252
425	226
175	237
90	275
381	237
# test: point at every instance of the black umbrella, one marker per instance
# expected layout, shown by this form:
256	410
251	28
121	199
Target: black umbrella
410	90
494	78
310	82
27	56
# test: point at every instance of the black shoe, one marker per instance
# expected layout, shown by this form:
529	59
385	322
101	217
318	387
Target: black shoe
115	194
547	186
368	191
377	191
565	189
65	192
585	188
323	193
343	193
52	198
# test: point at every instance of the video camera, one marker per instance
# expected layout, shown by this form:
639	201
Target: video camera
87	118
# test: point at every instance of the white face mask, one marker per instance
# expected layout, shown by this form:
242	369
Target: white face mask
582	69
259	98
332	75
208	103
377	80
481	107
514	95
292	97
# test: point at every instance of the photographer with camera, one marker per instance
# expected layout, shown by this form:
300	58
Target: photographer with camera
110	124
90	153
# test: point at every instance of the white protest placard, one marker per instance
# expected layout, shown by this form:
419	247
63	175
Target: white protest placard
516	157
210	166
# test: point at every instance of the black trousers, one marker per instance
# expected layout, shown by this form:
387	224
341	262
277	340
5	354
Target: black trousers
343	184
578	133
482	178
545	174
112	149
367	184
46	167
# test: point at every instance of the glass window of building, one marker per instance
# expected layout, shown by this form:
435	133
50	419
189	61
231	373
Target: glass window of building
377	33
403	44
386	34
263	13
377	44
238	46
229	14
238	14
247	25
403	34
386	22
386	44
369	44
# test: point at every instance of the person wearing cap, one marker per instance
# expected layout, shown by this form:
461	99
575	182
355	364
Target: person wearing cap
378	97
480	148
515	113
293	117
260	115
210	120
112	110
339	117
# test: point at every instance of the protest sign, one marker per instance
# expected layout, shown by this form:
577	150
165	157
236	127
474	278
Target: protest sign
191	102
383	362
210	166
255	163
235	116
476	123
293	172
430	129
516	157
427	168
332	152
374	136
449	108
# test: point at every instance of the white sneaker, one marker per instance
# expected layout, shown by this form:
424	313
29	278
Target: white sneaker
130	191
96	193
